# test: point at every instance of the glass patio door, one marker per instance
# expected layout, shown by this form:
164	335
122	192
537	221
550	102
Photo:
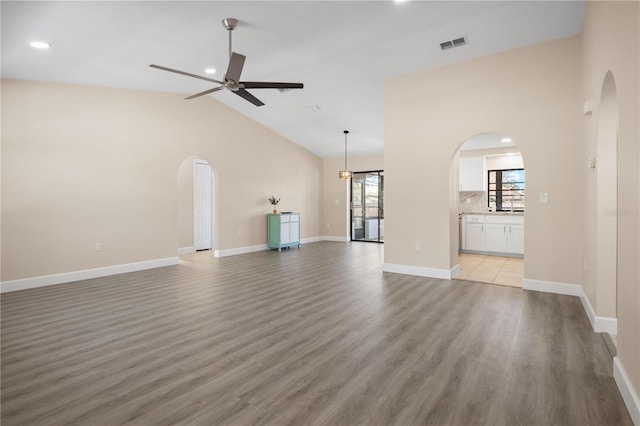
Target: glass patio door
367	206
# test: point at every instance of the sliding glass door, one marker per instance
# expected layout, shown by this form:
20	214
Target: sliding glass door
367	206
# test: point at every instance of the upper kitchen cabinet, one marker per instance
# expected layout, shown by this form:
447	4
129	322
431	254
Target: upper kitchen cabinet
472	173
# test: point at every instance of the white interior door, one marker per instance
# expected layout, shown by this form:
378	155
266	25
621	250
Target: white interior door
202	205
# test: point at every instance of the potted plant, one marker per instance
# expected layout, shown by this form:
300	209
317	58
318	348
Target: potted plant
274	202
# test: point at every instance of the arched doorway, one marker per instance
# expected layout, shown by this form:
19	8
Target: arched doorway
606	168
488	193
196	218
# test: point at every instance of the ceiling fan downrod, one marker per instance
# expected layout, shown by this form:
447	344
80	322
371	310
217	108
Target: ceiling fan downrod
230	25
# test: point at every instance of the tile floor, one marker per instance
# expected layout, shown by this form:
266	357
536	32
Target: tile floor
491	269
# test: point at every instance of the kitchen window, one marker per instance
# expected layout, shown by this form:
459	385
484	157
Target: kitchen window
506	190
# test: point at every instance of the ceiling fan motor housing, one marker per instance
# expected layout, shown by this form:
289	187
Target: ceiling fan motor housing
230	23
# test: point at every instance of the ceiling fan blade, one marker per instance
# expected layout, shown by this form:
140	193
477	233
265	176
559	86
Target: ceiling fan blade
185	73
249	97
270	85
236	63
206	92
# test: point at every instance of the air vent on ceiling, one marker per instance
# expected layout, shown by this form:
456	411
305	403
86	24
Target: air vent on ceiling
461	41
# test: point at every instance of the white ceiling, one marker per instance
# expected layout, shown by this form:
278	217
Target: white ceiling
341	51
486	141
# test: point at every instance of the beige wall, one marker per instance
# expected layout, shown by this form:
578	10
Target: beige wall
83	164
335	208
185	204
529	94
616	24
535	95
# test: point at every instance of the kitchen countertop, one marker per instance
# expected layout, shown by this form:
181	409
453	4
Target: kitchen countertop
496	213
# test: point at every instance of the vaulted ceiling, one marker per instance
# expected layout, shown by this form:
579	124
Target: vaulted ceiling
342	51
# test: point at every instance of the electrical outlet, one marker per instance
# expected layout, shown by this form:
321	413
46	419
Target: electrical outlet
544	197
98	246
418	245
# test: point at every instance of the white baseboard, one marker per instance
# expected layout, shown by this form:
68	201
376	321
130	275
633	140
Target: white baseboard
261	247
455	270
605	325
240	250
599	324
86	274
66	277
551	287
420	271
310	240
335	238
629	394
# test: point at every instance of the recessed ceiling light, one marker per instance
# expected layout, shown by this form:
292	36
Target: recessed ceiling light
505	140
210	70
39	45
314	108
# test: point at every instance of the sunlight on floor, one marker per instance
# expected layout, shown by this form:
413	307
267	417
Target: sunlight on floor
507	271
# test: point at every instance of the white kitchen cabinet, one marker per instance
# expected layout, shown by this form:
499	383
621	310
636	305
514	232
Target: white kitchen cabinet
471	177
493	234
515	239
474	237
495	238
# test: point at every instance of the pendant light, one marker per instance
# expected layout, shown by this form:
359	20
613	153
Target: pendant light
345	174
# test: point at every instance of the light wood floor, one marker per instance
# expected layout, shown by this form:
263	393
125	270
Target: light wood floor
491	269
316	335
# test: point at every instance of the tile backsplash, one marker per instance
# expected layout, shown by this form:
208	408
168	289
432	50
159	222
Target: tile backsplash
472	201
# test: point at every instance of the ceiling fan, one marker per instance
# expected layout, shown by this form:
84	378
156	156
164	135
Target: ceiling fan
232	77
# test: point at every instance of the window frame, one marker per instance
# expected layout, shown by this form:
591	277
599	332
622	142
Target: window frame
499	189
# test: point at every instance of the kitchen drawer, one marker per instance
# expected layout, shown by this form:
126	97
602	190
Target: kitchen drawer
473	218
505	219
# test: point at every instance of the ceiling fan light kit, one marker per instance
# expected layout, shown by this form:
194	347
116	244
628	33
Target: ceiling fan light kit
232	77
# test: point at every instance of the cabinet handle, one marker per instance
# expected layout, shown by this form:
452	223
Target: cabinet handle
481	228
505	228
509	228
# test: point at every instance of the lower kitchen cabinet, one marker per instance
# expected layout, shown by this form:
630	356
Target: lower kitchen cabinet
495	237
515	240
493	234
474	236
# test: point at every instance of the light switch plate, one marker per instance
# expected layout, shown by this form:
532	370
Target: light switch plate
544	197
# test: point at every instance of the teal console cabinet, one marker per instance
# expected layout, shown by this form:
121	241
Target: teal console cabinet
283	230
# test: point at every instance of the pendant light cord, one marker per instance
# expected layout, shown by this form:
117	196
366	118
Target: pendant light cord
346	132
